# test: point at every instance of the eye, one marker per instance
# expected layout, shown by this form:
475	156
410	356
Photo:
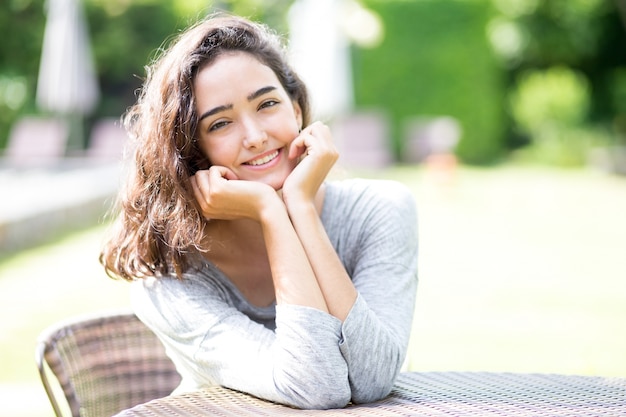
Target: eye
268	103
218	125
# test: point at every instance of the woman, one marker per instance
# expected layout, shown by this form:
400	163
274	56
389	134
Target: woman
256	272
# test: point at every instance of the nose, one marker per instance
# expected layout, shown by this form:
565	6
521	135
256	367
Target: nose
254	134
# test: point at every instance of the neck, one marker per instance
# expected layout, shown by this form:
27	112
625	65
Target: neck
233	230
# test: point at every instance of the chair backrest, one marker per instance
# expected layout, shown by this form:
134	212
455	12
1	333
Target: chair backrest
104	364
37	141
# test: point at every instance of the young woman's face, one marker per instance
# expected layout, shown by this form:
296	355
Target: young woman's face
246	119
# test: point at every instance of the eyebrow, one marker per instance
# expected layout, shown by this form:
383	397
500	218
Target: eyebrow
258	93
263	90
215	110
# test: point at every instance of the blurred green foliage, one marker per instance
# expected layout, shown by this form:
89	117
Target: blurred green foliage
555	96
581	37
124	37
435	60
21	26
551	106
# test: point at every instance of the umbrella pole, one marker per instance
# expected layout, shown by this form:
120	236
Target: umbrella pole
76	138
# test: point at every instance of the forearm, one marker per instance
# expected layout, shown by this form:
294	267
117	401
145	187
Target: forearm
293	277
335	283
374	352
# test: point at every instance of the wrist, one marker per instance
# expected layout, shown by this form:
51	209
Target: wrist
301	209
271	208
302	205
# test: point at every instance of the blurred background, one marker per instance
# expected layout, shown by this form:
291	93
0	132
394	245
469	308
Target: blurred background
506	118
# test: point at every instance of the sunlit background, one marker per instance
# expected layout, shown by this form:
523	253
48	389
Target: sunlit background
506	118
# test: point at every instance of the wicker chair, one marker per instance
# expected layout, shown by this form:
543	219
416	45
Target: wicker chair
104	364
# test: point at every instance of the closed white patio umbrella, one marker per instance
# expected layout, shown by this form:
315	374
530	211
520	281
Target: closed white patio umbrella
67	84
321	33
320	53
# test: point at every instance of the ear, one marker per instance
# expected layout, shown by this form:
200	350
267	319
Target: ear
298	112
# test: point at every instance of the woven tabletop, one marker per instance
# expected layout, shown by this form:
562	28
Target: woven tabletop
428	394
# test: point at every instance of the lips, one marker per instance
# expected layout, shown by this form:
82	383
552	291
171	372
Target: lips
264	159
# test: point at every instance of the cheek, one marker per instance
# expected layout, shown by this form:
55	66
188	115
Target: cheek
289	131
213	153
291	136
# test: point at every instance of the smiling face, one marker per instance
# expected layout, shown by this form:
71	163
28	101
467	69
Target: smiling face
246	118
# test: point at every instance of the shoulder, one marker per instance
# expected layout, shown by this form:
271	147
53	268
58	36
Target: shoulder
198	282
359	186
356	210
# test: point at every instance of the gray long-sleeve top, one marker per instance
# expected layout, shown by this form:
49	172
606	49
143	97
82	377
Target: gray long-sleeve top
292	354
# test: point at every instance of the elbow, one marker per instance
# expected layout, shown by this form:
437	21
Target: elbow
372	394
316	393
374	386
323	399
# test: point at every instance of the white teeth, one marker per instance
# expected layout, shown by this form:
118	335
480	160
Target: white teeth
264	160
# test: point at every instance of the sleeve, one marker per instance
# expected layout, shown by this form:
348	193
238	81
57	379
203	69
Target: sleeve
211	342
376	333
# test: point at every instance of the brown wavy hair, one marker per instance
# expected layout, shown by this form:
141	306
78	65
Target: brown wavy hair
158	226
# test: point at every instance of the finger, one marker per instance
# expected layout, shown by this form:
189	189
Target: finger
219	172
321	131
199	181
300	145
296	149
198	190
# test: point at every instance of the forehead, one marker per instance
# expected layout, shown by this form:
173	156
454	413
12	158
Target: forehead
232	72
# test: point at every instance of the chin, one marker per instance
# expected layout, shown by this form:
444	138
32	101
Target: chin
277	186
277	180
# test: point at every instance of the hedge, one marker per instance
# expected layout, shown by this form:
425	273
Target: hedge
435	60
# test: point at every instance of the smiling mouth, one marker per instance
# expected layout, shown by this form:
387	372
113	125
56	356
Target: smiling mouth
264	160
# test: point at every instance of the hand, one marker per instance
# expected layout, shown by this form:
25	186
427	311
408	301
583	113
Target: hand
221	195
318	154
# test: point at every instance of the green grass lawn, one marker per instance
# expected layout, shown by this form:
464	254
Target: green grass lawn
39	287
521	270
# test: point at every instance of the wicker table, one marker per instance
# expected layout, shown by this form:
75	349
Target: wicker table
428	394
